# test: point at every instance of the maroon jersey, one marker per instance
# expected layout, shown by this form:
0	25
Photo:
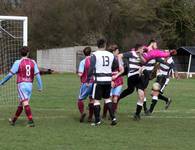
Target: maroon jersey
119	80
26	70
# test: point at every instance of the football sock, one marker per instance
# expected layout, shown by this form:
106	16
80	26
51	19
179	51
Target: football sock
28	112
97	109
145	106
18	112
105	109
110	109
138	109
162	97
114	106
80	105
90	110
152	105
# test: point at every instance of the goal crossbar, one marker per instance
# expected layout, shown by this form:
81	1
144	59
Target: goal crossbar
25	26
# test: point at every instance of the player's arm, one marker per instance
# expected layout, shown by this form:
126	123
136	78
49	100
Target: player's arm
81	68
124	55
117	64
38	78
91	68
12	72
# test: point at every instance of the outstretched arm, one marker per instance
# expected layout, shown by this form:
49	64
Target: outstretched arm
5	79
13	71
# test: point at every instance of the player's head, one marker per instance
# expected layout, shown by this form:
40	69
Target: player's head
113	48
101	43
24	51
153	44
139	48
87	51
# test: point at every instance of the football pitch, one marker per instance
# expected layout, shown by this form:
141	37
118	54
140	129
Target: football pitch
58	128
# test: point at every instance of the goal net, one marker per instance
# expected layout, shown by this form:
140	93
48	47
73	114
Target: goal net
13	35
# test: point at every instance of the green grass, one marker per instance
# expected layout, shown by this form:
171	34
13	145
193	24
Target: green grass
58	128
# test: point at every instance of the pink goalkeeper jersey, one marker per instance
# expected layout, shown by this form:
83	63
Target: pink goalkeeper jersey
26	70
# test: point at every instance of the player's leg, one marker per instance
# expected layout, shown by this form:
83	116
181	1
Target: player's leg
91	102
108	102
130	87
91	110
161	96
145	78
17	114
84	92
97	96
154	102
115	95
155	92
105	110
25	90
140	102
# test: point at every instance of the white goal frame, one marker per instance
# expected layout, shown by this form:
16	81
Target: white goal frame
25	26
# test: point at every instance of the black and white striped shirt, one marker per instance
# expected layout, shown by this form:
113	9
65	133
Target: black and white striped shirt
134	62
102	64
166	67
149	66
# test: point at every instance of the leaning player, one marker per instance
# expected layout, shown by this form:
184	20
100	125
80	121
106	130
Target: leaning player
85	91
161	82
26	69
117	81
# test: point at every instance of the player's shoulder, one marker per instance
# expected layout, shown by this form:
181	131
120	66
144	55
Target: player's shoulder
83	60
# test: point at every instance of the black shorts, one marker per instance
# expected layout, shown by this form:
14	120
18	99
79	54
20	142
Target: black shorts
145	78
136	81
101	91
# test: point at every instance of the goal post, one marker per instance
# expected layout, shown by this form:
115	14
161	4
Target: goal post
24	23
13	35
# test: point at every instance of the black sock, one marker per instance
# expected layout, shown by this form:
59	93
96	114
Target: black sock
162	97
152	105
138	110
97	113
145	106
110	109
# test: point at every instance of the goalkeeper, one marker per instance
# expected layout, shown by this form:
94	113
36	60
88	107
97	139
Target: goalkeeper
26	69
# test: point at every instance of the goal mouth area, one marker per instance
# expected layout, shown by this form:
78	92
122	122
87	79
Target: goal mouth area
13	35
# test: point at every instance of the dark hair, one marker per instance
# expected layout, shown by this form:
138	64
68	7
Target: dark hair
137	46
87	51
151	41
101	43
112	47
24	51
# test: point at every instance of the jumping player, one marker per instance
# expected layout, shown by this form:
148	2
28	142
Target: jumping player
26	69
117	81
162	79
85	90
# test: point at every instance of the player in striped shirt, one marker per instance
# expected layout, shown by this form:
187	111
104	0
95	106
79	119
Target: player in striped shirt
162	79
85	90
26	69
117	81
101	67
